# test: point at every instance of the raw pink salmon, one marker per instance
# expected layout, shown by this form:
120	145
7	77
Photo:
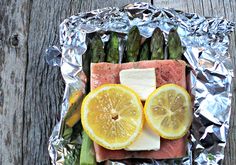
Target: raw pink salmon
167	71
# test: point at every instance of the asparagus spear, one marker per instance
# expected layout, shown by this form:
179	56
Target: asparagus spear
133	44
157	45
145	50
72	157
67	132
113	48
96	48
86	154
174	48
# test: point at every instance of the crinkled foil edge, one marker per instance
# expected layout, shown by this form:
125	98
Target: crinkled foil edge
206	41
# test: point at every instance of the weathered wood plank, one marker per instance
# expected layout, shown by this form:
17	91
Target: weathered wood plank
13	55
221	8
31	91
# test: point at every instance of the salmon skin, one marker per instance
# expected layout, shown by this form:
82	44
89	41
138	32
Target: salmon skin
167	71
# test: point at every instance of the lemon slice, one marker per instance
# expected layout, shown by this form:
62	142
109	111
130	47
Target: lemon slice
112	116
168	111
73	114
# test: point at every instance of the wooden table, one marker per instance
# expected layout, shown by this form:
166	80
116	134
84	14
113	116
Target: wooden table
31	91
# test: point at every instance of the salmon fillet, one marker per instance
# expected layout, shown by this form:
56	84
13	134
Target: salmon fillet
167	71
169	149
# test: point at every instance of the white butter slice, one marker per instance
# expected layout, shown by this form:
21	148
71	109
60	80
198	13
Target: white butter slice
146	141
142	81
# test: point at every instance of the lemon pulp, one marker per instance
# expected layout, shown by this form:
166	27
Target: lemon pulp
168	111
112	116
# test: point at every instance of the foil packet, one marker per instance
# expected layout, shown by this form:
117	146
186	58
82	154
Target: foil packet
206	42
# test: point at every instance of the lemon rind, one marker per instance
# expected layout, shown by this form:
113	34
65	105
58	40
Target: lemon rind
169	135
89	131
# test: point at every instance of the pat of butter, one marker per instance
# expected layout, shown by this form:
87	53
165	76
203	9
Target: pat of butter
142	81
146	141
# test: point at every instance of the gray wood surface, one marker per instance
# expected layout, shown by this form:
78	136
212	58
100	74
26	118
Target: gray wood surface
31	91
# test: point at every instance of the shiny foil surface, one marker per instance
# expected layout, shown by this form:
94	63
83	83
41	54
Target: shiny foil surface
206	42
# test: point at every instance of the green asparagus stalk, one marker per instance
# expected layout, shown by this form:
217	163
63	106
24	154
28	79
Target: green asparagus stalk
157	45
72	157
67	132
86	66
133	44
87	60
87	154
113	48
97	54
97	50
145	50
175	49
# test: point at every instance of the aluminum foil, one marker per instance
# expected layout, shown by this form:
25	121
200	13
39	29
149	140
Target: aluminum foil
206	41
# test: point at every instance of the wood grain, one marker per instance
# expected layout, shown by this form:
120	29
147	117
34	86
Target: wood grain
212	8
13	56
30	90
